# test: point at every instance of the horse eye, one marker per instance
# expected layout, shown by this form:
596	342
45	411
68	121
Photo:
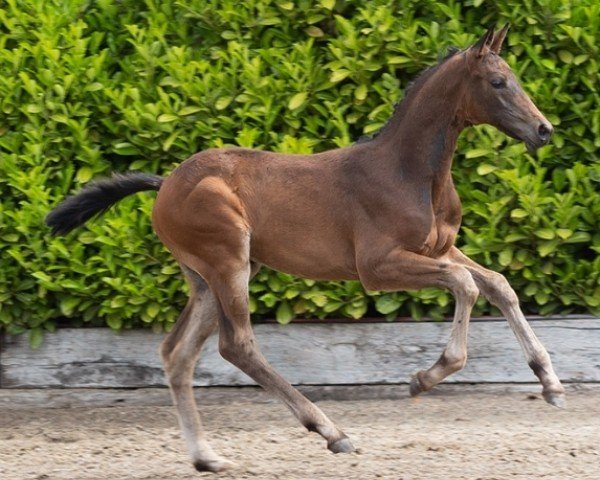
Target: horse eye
498	83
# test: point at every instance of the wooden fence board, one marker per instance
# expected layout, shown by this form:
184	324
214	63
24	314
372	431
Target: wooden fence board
306	354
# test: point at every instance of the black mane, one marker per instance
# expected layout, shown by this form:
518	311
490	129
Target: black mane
414	86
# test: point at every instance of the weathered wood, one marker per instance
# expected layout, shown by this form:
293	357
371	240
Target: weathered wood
21	398
330	354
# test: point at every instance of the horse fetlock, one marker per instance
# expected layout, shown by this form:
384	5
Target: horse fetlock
325	428
452	363
337	441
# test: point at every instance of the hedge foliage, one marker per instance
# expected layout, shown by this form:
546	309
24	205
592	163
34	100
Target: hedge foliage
87	87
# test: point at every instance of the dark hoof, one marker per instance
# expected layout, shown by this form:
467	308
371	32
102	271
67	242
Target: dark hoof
415	387
555	398
217	465
343	445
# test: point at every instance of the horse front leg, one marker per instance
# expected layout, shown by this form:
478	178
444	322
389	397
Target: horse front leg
497	290
402	270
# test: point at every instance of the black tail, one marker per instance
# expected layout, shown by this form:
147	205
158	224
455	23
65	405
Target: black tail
96	198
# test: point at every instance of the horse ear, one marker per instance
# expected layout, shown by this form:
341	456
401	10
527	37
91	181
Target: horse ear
482	47
499	39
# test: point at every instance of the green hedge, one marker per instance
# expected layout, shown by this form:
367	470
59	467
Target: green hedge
90	87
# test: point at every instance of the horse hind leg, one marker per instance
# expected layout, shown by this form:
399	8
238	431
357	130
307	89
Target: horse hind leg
180	351
238	345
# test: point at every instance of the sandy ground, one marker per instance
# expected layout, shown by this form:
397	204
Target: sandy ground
467	434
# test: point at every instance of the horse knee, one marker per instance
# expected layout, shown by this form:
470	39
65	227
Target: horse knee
501	293
465	287
453	362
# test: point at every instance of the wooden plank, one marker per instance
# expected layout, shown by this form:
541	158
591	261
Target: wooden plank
319	354
22	398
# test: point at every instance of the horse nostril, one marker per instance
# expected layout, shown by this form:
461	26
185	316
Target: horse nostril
544	131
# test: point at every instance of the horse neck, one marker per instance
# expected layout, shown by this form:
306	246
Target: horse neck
422	135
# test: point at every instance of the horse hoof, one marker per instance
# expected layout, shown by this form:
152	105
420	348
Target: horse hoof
556	399
215	465
343	445
415	387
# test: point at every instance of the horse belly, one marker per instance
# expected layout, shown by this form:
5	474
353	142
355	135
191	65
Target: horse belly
317	254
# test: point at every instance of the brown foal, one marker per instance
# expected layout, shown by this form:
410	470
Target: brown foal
383	211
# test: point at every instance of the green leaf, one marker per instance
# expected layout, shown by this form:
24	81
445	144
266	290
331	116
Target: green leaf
518	213
579	237
484	169
86	238
68	304
564	233
339	75
269	299
60	118
297	100
223	102
477	152
361	92
34	108
170	270
565	56
356	309
546	248
505	257
515	237
153	309
549	64
166	146
284	314
167	117
36	337
545	233
94	87
387	304
190	110
125	148
84	174
291	293
313	31
399	60
115	323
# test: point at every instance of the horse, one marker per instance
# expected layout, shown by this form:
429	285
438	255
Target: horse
382	211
